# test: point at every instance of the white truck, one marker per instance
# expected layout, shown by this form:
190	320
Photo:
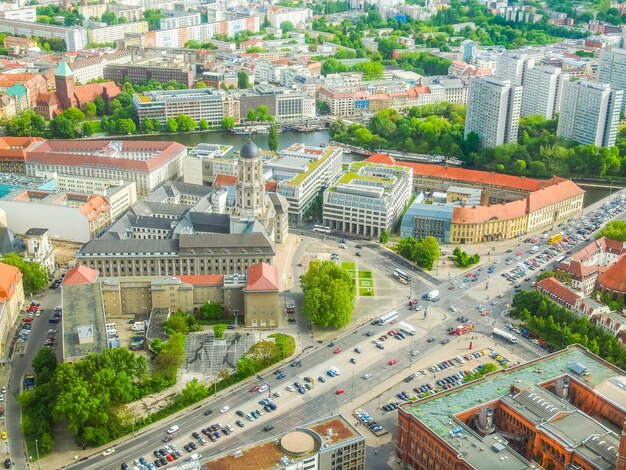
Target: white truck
433	294
534	249
406	328
503	334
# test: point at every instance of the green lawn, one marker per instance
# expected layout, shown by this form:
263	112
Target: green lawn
348	265
366	292
366	283
365	275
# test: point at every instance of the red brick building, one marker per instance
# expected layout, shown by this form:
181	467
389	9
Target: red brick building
565	410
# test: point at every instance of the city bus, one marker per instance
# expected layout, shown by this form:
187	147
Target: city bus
321	229
388	318
556	238
402	275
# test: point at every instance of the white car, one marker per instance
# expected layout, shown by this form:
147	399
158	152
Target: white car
172	429
289	388
367	376
263	389
415	352
277	394
225	409
452	308
109	451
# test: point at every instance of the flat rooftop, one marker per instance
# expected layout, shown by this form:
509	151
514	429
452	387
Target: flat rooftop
437	411
82	307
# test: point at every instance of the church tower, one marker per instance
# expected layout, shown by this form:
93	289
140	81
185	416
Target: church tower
250	182
64	81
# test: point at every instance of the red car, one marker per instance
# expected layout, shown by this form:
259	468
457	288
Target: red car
392	362
452	332
169	458
519	253
28	319
391	333
337	350
254	389
468	275
339	392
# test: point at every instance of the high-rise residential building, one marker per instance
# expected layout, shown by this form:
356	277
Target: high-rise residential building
468	49
493	111
75	37
542	91
612	69
589	112
512	67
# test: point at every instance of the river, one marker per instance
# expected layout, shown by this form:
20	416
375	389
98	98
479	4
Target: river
285	139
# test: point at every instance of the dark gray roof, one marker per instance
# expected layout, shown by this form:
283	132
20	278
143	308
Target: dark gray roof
147	208
126	247
9	243
281	205
151	222
37	231
250	150
209	223
237	243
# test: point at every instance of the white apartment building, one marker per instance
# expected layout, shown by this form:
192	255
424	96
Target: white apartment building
512	67
75	37
612	69
589	113
542	91
27	14
196	103
92	68
295	16
493	111
368	199
179	19
112	33
302	172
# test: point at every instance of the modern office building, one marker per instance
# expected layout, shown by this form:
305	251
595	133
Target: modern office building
468	50
562	411
147	163
75	37
367	199
512	67
206	161
612	69
153	68
589	112
331	443
302	172
423	220
164	104
493	111
282	103
542	91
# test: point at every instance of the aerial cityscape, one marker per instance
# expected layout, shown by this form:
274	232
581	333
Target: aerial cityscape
316	235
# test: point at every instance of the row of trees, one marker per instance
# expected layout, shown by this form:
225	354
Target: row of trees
560	327
462	259
261	355
424	252
614	230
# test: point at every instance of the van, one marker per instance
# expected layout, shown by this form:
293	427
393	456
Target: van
194	457
534	249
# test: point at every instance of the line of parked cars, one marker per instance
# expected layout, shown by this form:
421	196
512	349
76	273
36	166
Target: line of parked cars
366	419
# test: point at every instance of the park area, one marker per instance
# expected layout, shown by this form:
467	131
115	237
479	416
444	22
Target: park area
364	280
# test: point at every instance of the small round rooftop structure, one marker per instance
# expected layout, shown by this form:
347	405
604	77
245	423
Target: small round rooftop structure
250	150
297	443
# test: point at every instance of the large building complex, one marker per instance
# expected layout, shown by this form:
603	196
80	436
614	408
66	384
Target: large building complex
331	443
164	104
565	410
367	199
75	37
107	34
479	207
302	172
282	103
159	69
493	111
147	163
589	112
612	69
542	91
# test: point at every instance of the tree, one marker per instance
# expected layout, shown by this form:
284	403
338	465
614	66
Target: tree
172	125
384	237
329	293
34	277
90	110
562	276
462	259
263	114
171	357
423	252
218	330
109	18
286	26
100	106
200	85
243	81
74	114
87	129
251	115
186	123
126	126
212	311
272	138
614	230
227	123
203	125
62	128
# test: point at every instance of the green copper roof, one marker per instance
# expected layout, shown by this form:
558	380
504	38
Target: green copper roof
18	90
63	70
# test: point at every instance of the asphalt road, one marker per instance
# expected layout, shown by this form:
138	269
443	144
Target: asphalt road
295	409
22	364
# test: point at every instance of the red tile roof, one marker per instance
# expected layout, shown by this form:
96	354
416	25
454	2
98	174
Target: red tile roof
546	196
262	277
202	279
552	286
614	278
87	93
224	180
10	277
80	275
94	207
271	186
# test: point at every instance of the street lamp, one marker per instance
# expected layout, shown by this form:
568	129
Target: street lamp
37	449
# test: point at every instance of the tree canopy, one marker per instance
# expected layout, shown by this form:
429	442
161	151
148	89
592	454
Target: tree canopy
329	293
34	277
423	251
614	230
